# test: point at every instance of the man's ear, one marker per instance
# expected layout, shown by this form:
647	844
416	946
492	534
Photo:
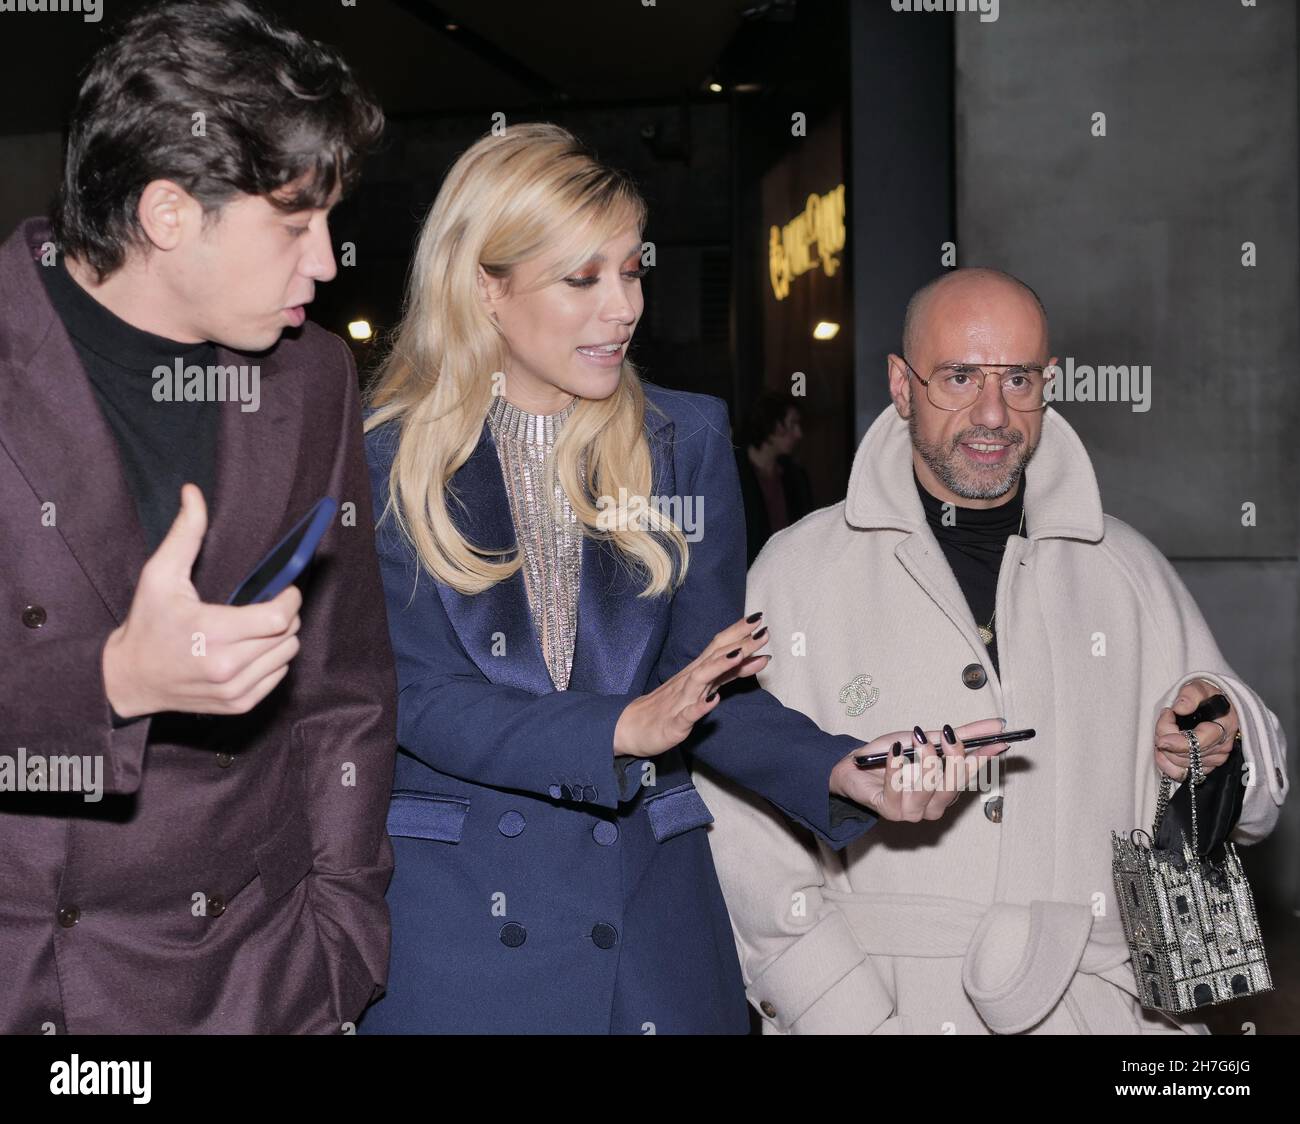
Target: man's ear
900	386
167	212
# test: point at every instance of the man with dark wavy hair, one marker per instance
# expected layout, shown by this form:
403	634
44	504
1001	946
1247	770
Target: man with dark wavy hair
192	795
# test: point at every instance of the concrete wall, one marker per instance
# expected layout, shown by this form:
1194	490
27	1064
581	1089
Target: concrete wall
1134	240
901	179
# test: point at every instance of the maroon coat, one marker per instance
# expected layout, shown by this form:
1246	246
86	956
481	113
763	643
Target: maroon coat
233	877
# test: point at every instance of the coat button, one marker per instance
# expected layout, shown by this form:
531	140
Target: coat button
605	832
589	792
555	792
511	823
974	676
69	915
513	935
993	809
604	935
34	616
225	760
216	905
767	1008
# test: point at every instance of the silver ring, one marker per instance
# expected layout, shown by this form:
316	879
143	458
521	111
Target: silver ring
1223	736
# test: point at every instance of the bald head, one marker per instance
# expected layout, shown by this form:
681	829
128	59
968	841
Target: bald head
974	294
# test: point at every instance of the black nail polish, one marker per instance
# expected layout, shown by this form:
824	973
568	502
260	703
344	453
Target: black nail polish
760	633
950	735
711	696
733	654
897	749
753	617
919	735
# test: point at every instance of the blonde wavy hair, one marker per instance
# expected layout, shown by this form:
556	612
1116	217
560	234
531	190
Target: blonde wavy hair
533	192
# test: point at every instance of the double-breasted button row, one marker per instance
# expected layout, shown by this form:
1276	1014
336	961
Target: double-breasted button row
603	934
512	823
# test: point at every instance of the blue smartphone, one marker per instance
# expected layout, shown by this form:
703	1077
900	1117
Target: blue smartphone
279	569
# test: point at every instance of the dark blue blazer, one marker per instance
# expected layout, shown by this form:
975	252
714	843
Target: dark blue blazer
541	884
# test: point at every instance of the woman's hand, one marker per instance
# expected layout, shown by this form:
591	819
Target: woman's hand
656	722
923	789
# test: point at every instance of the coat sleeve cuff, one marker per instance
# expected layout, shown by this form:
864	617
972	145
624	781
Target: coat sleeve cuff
1264	746
843	811
59	707
824	960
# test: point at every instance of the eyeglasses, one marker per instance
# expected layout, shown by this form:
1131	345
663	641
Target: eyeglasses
955	386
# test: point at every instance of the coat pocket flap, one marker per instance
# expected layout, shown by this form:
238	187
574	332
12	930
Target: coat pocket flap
427	815
675	811
285	859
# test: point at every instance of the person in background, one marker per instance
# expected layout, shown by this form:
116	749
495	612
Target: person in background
773	485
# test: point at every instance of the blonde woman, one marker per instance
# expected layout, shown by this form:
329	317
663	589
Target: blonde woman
562	549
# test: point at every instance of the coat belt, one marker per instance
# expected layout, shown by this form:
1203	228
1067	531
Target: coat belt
1018	960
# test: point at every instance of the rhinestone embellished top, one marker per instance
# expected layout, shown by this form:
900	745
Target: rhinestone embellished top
552	549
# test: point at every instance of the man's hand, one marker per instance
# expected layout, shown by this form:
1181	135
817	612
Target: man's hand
1215	737
174	652
922	790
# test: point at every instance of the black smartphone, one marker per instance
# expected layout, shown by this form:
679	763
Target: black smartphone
875	760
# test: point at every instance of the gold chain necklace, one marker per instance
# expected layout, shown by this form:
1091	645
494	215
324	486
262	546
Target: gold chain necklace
986	630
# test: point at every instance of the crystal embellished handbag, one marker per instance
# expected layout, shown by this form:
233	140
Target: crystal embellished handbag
1186	906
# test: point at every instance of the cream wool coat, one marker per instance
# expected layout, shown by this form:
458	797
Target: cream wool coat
963	924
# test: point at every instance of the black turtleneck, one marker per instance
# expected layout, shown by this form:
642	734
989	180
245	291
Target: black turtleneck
162	444
974	546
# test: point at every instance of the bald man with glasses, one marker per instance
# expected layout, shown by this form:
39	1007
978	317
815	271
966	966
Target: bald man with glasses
957	577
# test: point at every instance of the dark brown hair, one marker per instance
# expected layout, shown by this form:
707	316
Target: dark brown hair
276	107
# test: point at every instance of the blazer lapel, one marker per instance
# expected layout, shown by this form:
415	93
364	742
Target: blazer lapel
615	627
257	453
495	626
52	427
